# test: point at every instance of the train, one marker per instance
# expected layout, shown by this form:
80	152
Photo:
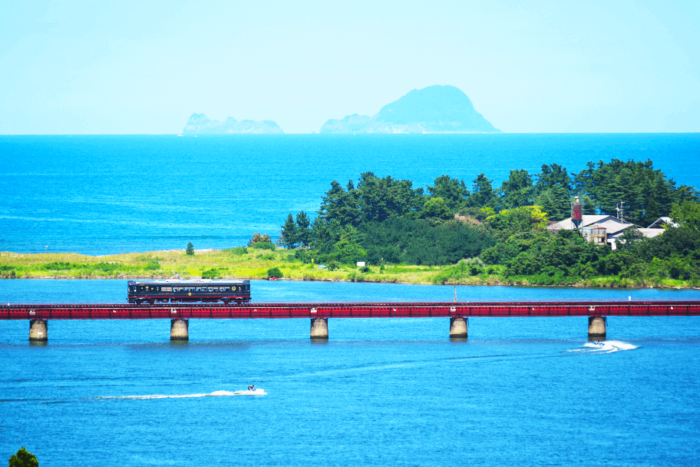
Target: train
198	290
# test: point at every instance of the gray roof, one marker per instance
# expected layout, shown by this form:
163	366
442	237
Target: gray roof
568	224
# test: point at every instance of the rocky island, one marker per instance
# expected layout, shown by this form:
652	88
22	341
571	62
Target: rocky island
199	124
435	109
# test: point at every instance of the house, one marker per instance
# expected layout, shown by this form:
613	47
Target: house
663	221
605	229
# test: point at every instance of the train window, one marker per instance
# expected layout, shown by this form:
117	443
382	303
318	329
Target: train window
210	289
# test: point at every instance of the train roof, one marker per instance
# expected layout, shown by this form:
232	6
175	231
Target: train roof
190	281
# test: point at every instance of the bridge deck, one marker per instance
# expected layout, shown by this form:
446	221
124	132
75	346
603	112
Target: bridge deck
349	310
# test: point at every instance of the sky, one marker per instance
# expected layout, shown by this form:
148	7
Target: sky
143	67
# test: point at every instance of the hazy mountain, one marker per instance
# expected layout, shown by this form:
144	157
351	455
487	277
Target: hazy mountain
435	109
199	124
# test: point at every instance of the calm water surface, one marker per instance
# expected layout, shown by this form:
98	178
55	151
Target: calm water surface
520	391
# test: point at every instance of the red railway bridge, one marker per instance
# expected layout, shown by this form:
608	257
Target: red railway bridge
319	313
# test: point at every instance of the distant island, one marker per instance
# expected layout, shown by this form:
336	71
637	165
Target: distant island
199	124
435	109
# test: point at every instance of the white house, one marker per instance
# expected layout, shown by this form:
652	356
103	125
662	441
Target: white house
606	228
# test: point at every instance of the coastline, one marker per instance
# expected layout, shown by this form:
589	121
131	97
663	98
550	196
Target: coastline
254	264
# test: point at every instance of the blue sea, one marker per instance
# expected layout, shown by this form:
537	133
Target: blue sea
519	391
114	194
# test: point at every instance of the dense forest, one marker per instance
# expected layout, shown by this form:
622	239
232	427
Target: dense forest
484	230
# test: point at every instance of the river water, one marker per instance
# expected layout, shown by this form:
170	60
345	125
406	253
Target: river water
519	391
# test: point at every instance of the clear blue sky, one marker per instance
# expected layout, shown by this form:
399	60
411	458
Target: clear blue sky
74	67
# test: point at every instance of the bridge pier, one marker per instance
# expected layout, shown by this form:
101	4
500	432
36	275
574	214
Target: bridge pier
319	328
179	330
459	327
38	330
596	328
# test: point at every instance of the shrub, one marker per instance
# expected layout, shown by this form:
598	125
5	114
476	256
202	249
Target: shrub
333	265
274	272
112	267
303	256
263	246
257	238
150	266
364	269
60	266
211	273
238	251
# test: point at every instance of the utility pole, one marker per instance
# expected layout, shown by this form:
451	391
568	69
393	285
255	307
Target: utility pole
621	211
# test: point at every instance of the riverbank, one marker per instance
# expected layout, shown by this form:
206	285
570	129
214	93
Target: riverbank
249	263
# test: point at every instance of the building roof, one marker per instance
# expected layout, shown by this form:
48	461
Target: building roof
568	224
663	221
651	233
613	228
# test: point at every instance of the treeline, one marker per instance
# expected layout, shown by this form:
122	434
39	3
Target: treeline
386	220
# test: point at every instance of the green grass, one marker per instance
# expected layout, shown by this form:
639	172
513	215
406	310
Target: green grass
250	263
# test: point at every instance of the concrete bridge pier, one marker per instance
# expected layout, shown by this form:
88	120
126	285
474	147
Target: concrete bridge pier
319	328
179	330
596	328
38	330
459	328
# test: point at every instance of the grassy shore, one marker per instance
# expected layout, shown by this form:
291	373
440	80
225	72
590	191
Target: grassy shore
240	263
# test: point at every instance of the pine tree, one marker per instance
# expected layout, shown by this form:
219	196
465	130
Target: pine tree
483	195
555	202
24	458
303	230
289	233
453	191
517	190
190	249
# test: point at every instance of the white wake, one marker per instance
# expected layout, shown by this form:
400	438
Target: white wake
256	392
605	347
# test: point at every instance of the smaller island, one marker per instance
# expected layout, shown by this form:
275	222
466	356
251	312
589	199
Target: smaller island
199	124
435	109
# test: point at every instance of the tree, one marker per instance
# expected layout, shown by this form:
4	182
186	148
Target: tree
517	190
436	208
190	249
23	458
384	198
483	195
289	233
687	214
453	191
553	175
303	231
646	191
340	205
275	272
626	241
520	219
555	202
258	238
